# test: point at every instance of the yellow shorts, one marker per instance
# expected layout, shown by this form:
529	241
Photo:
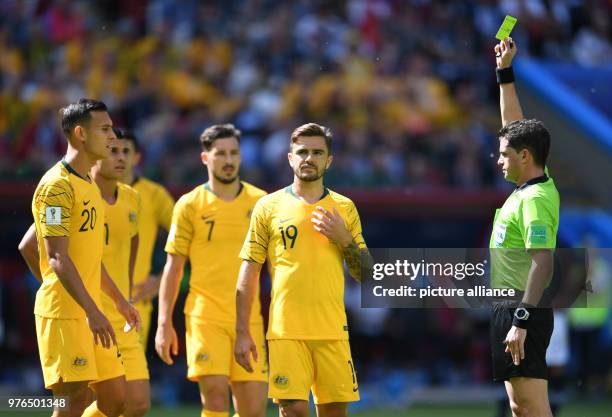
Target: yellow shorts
132	353
210	351
68	352
325	366
145	309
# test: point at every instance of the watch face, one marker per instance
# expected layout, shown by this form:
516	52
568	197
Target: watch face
521	313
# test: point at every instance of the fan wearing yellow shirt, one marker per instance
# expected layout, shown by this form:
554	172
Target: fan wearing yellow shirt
156	212
208	228
306	232
75	339
122	207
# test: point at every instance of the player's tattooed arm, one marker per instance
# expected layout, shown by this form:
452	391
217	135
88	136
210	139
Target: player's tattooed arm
358	261
331	224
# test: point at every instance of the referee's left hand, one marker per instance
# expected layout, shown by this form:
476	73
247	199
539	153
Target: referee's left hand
515	343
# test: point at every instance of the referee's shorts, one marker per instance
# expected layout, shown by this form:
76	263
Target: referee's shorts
541	324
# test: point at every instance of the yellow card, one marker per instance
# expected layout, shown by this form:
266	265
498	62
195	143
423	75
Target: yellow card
506	27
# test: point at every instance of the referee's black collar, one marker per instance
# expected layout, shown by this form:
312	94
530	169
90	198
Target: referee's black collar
536	180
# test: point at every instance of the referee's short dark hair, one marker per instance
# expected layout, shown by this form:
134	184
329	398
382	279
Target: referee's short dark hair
530	134
79	113
214	132
127	134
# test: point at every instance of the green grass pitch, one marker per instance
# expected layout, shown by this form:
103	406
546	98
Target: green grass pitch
583	409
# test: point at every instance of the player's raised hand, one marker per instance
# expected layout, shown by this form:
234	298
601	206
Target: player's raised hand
331	224
166	342
146	290
244	347
131	315
515	343
101	328
504	52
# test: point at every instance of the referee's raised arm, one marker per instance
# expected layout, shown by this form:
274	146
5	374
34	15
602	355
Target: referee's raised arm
509	104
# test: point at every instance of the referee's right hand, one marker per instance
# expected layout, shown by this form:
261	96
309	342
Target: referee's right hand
101	328
166	342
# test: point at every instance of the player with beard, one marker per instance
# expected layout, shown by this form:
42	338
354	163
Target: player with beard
208	228
306	232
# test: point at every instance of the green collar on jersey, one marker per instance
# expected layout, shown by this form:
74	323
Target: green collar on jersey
73	172
289	189
207	188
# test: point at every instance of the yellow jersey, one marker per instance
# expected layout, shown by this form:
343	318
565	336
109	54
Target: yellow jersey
156	210
65	204
210	231
120	226
307	300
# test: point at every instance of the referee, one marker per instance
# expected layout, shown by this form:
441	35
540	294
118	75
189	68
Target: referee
522	246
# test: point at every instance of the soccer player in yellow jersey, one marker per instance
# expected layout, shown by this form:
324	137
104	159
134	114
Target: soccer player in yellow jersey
208	228
305	231
75	339
123	207
156	211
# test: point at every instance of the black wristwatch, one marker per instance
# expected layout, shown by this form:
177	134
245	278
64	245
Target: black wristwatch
521	317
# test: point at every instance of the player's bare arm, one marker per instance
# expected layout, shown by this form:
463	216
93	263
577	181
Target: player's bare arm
508	99
128	311
62	265
540	272
133	252
166	340
28	247
246	287
146	290
333	227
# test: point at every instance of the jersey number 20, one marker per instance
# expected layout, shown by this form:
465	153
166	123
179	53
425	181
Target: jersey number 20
90	219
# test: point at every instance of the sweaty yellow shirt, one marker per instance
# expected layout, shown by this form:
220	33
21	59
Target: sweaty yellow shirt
156	210
307	269
65	204
120	226
210	232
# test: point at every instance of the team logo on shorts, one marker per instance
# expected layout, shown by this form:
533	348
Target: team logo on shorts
79	361
201	357
281	381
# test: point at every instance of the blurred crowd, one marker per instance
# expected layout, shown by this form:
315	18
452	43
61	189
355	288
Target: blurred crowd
407	86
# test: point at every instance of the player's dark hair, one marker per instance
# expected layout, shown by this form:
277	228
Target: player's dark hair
127	134
528	134
79	113
312	130
214	132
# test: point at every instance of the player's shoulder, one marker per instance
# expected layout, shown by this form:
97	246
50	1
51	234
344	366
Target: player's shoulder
341	200
129	191
144	184
56	177
273	198
192	197
253	191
